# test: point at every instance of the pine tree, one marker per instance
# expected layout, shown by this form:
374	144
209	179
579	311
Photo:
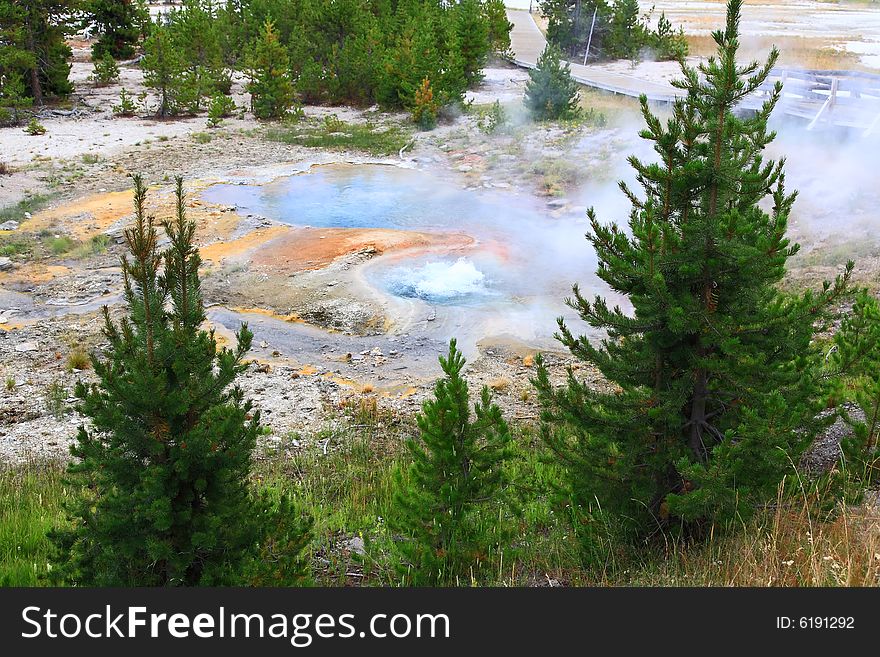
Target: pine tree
551	93
856	362
569	23
117	25
165	72
667	43
499	26
270	86
13	99
472	30
713	385
446	503
164	463
33	47
425	108
196	36
627	34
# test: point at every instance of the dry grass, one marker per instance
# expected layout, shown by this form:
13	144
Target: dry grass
787	547
796	51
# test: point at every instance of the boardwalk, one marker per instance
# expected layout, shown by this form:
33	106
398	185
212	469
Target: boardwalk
528	42
822	98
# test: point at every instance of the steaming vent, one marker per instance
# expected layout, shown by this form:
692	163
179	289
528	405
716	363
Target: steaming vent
441	282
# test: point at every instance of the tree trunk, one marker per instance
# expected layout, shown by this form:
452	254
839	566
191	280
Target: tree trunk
36	87
698	415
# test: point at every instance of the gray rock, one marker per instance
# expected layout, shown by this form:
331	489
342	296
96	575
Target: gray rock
26	346
355	545
9	225
5	264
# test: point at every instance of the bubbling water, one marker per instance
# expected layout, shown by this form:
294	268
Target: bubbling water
440	282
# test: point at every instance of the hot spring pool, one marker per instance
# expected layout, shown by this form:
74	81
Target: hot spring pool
518	270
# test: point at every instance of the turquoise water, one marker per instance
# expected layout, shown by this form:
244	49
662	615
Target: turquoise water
369	196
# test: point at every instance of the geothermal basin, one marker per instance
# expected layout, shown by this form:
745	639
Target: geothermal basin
507	281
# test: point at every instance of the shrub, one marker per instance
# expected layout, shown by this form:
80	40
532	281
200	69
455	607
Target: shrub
78	359
492	120
61	245
35	128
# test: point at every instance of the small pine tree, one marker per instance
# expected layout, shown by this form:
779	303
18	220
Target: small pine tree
220	108
425	107
457	471
34	128
164	464
856	362
126	106
270	85
106	71
667	43
551	93
12	98
715	390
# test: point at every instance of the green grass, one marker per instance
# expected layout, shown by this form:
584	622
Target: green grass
201	137
334	134
344	476
61	245
30	205
15	246
95	245
30	505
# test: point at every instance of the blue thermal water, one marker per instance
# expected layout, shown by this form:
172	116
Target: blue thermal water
542	254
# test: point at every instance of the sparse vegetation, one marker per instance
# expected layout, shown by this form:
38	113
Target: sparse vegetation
24	208
34	128
492	120
56	399
338	135
78	359
106	71
126	106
